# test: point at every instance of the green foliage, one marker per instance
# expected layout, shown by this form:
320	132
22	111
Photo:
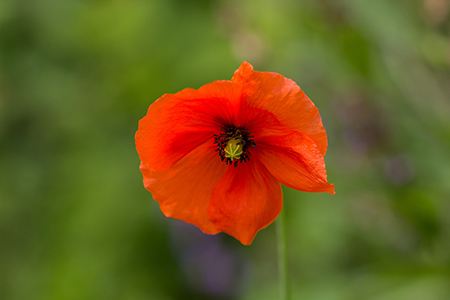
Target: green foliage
75	77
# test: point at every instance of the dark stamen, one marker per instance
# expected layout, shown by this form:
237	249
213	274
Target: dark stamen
233	144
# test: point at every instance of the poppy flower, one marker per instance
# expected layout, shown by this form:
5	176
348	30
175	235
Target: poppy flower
215	156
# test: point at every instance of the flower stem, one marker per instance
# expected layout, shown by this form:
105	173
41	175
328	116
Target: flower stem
282	257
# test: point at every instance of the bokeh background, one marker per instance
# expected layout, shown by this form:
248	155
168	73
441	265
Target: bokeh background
76	76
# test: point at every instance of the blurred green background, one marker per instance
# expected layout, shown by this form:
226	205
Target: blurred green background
76	76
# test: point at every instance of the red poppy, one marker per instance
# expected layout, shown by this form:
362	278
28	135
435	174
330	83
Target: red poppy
215	157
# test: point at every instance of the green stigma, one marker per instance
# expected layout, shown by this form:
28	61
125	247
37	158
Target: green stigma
233	150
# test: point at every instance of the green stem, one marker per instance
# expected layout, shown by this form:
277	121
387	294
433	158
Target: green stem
282	257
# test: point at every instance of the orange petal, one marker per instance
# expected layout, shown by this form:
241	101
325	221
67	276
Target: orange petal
183	191
285	99
176	124
295	160
246	200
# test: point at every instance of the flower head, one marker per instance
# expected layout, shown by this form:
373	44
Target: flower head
215	157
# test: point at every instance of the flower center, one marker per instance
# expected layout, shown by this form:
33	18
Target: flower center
233	144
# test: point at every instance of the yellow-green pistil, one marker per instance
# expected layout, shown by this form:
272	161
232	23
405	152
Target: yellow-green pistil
234	149
233	144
